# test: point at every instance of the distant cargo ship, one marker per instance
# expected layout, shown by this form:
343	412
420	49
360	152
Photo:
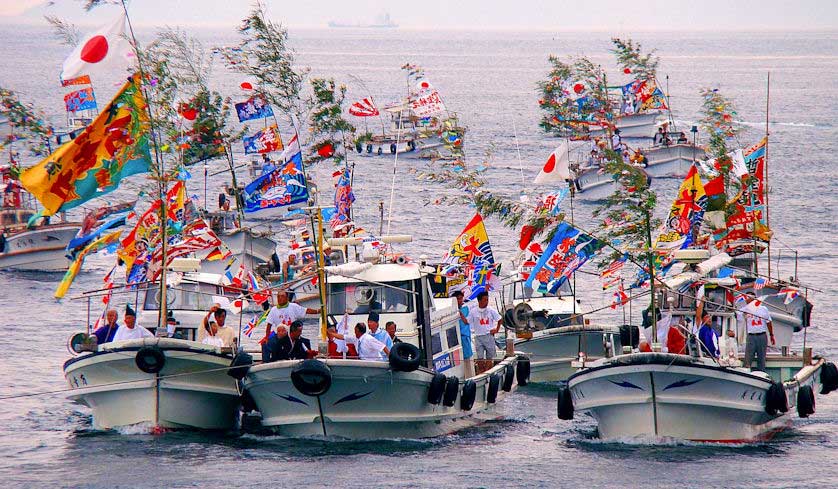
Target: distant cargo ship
383	22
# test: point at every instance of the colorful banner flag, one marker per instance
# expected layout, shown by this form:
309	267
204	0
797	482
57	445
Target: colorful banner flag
264	141
256	107
75	266
427	104
568	250
115	145
364	108
471	245
343	200
686	213
81	80
284	186
557	167
77	100
105	50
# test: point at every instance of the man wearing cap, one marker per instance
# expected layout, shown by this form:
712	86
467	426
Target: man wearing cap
484	321
376	332
130	330
757	322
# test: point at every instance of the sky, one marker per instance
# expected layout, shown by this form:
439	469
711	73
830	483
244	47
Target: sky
562	15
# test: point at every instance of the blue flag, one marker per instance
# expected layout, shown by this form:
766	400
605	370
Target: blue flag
284	186
254	108
568	250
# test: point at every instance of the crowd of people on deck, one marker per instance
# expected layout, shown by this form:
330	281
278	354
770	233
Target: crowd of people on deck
752	317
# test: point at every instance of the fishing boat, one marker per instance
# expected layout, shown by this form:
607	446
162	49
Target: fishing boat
248	246
415	138
421	391
161	382
27	242
551	330
693	396
638	125
670	156
593	182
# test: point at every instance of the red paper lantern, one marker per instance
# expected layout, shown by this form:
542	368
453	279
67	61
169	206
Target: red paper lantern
326	151
578	88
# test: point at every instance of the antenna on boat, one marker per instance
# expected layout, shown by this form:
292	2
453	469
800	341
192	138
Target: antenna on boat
765	166
393	183
518	150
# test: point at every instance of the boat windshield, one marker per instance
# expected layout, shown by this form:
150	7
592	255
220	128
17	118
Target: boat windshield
362	298
520	291
186	297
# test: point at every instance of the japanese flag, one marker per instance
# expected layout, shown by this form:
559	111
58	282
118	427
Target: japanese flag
557	167
106	48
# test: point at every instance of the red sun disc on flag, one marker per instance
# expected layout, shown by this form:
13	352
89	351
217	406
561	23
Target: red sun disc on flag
246	86
627	71
424	85
578	88
95	49
551	163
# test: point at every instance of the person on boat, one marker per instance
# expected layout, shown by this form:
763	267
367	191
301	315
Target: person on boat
376	332
368	347
131	330
339	348
289	267
617	141
390	327
676	337
707	335
481	319
3	241
106	333
218	314
283	313
760	329
212	338
291	346
731	348
465	334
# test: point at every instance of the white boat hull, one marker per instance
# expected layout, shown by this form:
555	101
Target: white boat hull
551	351
423	148
633	126
366	400
41	249
192	391
649	395
672	161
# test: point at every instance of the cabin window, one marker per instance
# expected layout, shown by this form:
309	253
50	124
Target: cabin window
453	337
436	343
362	298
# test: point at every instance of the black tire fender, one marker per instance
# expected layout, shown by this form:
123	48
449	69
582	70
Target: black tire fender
312	377
150	359
436	389
452	388
404	357
492	391
776	400
805	401
564	403
468	395
829	378
508	378
523	372
240	365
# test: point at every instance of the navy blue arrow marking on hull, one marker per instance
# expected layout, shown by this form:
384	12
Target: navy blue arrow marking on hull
291	398
352	397
626	384
682	383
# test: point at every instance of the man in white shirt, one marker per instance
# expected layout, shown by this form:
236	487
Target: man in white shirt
758	323
376	332
484	322
282	314
130	330
368	347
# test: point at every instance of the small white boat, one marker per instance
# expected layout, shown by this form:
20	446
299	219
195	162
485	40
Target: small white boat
673	160
594	183
163	382
427	138
420	392
552	332
640	125
252	248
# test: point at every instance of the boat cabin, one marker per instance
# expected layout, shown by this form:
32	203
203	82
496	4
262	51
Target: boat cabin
561	309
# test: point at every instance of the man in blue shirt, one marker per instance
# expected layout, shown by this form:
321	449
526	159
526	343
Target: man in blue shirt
706	333
376	332
105	333
465	334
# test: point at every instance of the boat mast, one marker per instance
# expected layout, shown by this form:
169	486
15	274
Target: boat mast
162	186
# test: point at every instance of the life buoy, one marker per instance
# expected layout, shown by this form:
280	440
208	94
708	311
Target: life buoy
564	404
436	389
393	148
523	373
452	388
829	378
468	395
404	357
369	149
776	400
805	401
380	151
508	378
359	147
240	365
150	359
411	146
312	377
